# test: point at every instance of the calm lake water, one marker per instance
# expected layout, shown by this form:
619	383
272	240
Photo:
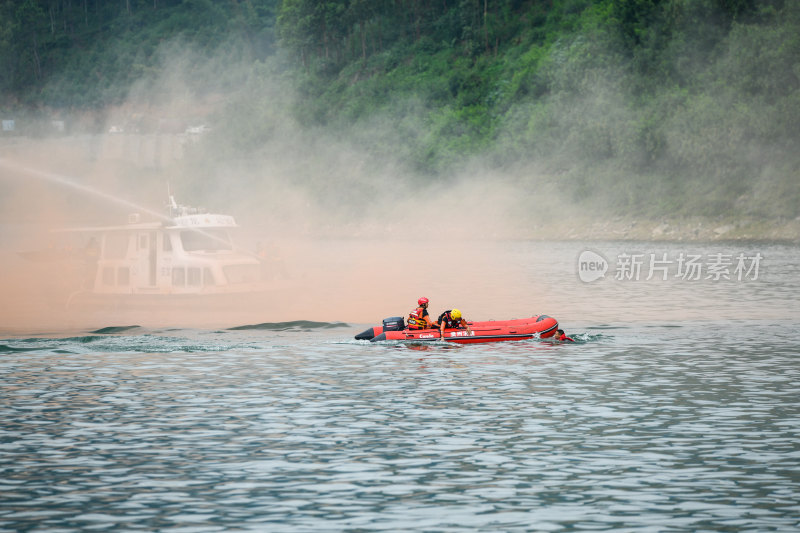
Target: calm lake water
677	409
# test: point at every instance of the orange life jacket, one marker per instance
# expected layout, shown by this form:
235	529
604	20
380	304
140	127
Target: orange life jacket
416	318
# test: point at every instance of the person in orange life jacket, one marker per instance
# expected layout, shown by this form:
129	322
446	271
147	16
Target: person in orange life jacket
451	319
419	318
561	336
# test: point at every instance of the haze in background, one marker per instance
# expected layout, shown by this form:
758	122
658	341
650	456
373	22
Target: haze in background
363	235
302	191
349	257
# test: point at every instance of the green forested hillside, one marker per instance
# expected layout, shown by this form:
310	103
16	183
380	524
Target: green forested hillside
87	53
647	107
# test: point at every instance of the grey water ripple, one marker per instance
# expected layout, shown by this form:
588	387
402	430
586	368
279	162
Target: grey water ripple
640	429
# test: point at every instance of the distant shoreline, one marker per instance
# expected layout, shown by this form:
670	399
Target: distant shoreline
686	229
561	223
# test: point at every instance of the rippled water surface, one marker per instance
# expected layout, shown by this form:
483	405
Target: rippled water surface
659	425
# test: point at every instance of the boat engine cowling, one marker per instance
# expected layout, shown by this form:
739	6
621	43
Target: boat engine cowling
394	323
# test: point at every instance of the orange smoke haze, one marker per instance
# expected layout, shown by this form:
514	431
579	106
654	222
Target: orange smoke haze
357	264
356	253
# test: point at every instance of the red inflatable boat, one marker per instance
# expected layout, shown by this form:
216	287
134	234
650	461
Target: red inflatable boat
541	326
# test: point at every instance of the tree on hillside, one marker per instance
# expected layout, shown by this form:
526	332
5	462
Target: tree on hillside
29	23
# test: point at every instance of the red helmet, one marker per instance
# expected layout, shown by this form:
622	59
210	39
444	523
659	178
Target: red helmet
422	300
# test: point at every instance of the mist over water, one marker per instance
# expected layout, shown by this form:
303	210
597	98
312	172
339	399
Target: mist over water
361	235
362	270
348	255
362	280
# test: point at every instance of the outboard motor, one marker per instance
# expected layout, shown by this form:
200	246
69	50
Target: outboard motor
394	323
